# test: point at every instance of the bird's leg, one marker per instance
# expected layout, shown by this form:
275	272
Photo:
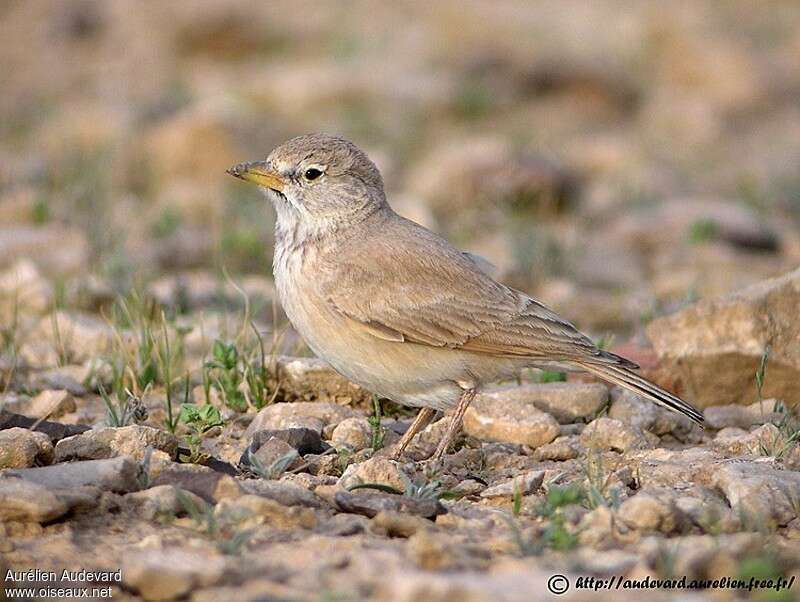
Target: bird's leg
455	424
420	422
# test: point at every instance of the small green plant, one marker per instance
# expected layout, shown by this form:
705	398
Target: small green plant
598	491
422	491
168	222
556	535
276	468
378	431
761	372
516	501
198	420
228	538
550	376
605	342
240	381
225	374
703	230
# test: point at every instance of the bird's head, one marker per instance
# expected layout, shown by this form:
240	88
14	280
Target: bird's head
317	178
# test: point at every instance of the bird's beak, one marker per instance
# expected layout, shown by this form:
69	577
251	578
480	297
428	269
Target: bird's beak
259	173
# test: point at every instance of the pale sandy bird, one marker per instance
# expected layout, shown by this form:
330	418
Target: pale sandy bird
396	308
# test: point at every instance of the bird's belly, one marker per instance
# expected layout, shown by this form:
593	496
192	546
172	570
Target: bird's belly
409	374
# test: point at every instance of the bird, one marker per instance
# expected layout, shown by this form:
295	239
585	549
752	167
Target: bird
397	309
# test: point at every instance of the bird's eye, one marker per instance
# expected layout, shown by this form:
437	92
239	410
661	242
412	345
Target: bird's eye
312	173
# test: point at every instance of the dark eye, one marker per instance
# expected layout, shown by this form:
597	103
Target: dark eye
312	173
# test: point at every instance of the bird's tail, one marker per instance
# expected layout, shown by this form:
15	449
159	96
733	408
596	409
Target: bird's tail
624	377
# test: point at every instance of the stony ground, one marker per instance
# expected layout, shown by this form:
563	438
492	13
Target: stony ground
632	165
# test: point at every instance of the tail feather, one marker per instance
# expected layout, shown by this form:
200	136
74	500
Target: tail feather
622	376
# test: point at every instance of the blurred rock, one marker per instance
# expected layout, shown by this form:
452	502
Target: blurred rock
371	504
23	290
109	442
502	416
299	414
162	501
202	289
285	493
720	417
171	573
643	414
566	402
760	493
376	470
194	145
766	440
25	501
559	450
716	345
652	510
54	249
476	183
303	378
204	482
524	484
352	433
695	220
610	434
47	404
73	337
256	510
21	448
120	475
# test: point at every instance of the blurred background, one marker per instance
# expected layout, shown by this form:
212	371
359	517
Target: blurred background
616	159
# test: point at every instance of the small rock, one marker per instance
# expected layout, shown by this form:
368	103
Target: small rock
744	417
376	470
47	404
72	336
171	573
611	434
23	500
62	378
494	416
352	433
525	484
269	452
121	475
108	442
306	378
56	249
766	440
559	450
644	415
758	492
727	416
21	448
254	509
301	414
370	504
304	440
163	500
566	402
282	492
204	482
468	487
596	528
395	524
652	510
22	288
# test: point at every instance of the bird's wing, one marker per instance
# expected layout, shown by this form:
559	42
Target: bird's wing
411	286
